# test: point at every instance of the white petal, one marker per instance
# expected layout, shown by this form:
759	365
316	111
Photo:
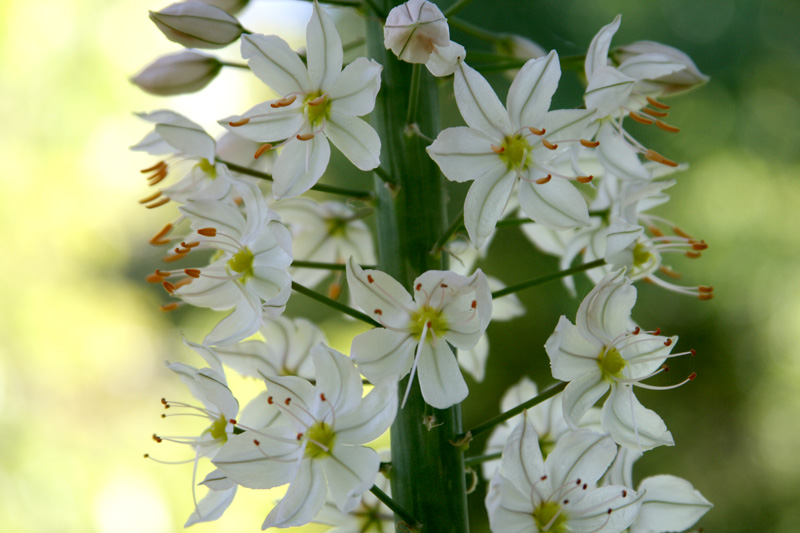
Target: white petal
208	387
631	424
597	55
259	413
324	50
510	509
618	157
217	294
486	201
581	394
478	103
522	458
190	141
270	464
299	166
533	88
608	90
571	354
153	144
355	91
355	139
605	312
337	378
350	471
212	506
273	285
621	235
582	455
473	361
217	480
669	504
465	154
444	59
556	204
211	214
591	514
275	63
240	324
382	354
266	123
440	377
645	353
375	290
303	500
297	396
372	418
650	66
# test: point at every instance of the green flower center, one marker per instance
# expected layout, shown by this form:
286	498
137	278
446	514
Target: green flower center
207	167
548	517
320	438
611	362
318	107
336	226
242	263
217	429
641	255
515	152
426	314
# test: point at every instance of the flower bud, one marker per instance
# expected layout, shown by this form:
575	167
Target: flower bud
413	29
197	25
179	73
520	48
230	6
676	82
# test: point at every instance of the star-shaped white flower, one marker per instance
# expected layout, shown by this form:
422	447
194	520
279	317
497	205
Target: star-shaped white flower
319	103
504	145
446	309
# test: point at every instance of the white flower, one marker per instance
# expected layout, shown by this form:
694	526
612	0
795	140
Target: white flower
319	103
417	32
446	309
330	422
501	147
607	350
559	493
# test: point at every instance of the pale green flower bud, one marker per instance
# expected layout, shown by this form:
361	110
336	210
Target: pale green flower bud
179	73
197	25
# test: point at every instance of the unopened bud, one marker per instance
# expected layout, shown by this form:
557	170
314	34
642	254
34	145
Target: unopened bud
412	29
179	73
197	25
230	6
682	80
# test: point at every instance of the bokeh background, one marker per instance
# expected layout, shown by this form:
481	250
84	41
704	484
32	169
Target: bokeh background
83	341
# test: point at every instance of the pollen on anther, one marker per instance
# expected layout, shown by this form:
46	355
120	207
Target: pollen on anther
207	232
190	244
637	330
640	119
256	442
652	155
169	287
536	131
654	113
444	285
238	123
667	127
305	136
705	295
261	149
269	400
655	103
287	401
547	144
590	144
158	203
542	181
418	287
702	245
657	332
157	166
474	304
693	352
370	278
693	255
157	438
584	179
150	198
334	291
154	278
705	288
170	306
566	502
158	239
322	397
378	312
692	376
192	272
498	149
668	342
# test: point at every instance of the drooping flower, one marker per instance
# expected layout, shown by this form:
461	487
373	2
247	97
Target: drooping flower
558	494
517	143
319	103
330	423
446	309
606	350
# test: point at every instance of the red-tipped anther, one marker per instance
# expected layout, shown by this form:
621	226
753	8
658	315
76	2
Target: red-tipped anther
418	287
370	278
444	285
334	291
158	203
240	122
693	255
157	178
584	179
498	149
665	368
287	401
669	272
624	493
157	166
232	421
692	376
207	232
652	155
702	245
693	352
305	136
590	144
537	131
299	436
154	278
655	231
164	401
322	397
655	103
668	342
269	400
378	312
150	198
640	119
169	287
261	149
170	306
429	324
654	113
474	304
190	244
157	438
610	510
256	442
637	330
680	233
158	239
542	181
667	127
192	272
547	144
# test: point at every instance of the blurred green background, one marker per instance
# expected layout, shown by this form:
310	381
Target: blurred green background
81	370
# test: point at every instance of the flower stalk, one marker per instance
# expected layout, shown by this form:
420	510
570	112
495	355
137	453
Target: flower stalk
550	277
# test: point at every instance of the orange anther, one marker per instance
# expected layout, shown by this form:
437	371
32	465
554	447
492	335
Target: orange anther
705	295
655	103
283	102
150	198
256	442
172	258
207	232
702	245
418	287
668	342
590	144
537	132
542	181
322	397
655	231
498	149
157	166
679	232
317	101
183	282
705	288
158	239
305	136
652	155
157	438
667	127
693	255
154	278
474	304
584	179
657	331
669	272
654	113
334	291
158	203
261	149
170	306
287	401
640	119
157	177
169	287
240	122
547	144
190	244
192	272
692	376
181	251
370	278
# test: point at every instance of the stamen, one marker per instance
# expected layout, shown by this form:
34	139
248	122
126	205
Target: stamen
190	244
584	179
640	119
283	102
192	272
305	136
318	100
590	144
654	113
667	127
238	123
334	291
158	203
705	288
170	306
156	178
169	287
678	231
693	255
157	166
537	131
669	272
655	103
261	149
542	181
652	155
702	245
158	239
547	144
498	149
150	198
207	232
655	231
172	258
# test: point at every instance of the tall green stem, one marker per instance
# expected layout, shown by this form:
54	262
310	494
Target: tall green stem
428	478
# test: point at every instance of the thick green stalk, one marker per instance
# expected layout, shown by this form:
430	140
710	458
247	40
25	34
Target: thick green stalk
428	478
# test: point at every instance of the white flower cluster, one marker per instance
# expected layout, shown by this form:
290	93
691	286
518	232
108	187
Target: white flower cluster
584	185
